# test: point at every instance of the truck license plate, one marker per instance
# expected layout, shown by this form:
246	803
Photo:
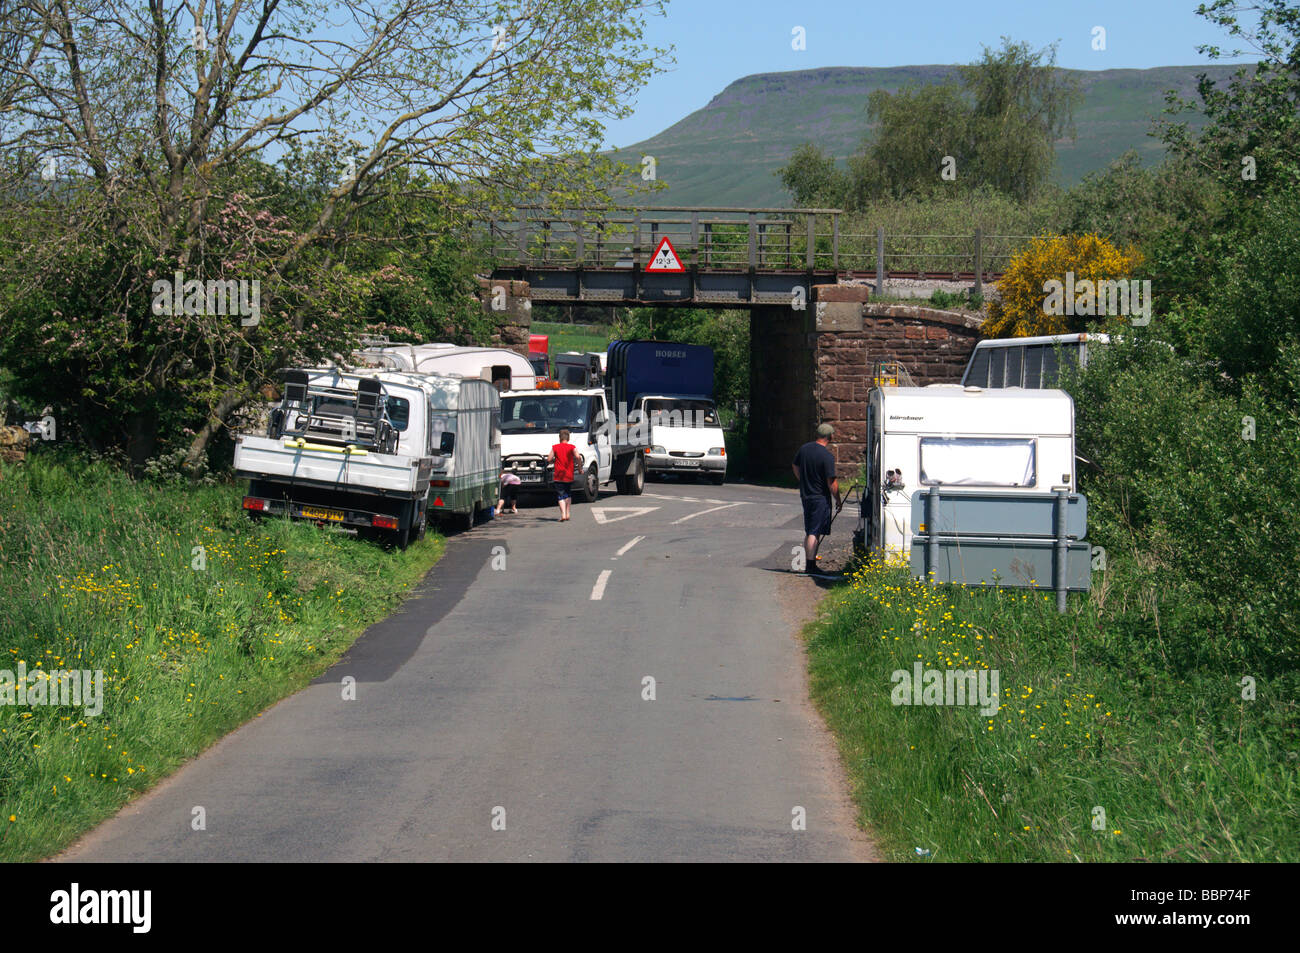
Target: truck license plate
314	513
531	478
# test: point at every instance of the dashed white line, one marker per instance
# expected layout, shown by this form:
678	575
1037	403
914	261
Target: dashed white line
635	540
598	590
711	510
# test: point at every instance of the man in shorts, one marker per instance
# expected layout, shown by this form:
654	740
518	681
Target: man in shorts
562	459
814	468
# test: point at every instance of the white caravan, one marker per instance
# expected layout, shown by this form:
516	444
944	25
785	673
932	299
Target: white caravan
1009	439
499	366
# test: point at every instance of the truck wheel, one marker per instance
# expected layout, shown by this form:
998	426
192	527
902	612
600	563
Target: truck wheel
402	537
590	486
634	482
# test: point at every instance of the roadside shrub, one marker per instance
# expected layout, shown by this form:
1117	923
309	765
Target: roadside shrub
1019	311
1194	491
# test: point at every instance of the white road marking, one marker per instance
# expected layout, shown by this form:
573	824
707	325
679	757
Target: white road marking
601	513
675	499
598	590
712	510
635	540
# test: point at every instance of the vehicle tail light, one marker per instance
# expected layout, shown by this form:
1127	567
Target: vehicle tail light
253	503
384	522
439	483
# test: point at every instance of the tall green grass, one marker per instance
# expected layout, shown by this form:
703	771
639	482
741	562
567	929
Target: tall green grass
1183	767
198	618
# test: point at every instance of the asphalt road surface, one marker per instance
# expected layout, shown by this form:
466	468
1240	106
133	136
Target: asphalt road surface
502	713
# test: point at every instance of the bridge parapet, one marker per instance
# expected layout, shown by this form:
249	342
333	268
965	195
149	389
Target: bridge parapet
723	239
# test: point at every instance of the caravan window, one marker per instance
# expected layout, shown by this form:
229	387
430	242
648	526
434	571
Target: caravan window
978	461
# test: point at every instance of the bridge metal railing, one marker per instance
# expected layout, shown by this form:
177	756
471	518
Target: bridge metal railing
728	238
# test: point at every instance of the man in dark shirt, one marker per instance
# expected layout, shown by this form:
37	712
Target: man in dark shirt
814	468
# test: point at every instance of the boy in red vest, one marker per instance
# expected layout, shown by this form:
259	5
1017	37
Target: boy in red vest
562	459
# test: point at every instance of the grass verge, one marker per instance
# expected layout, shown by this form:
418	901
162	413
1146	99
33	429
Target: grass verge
573	337
197	617
1092	755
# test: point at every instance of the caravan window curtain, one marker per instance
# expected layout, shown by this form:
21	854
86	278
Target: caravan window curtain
978	461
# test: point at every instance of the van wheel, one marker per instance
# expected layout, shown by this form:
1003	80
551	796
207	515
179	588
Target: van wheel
590	486
719	479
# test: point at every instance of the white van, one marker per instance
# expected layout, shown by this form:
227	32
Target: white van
685	437
1009	439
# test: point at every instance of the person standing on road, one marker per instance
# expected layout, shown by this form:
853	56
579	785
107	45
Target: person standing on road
814	468
561	458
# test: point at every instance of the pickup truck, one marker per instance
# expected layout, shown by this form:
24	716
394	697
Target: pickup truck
608	449
346	449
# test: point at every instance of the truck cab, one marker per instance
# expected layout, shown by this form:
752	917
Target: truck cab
531	422
608	450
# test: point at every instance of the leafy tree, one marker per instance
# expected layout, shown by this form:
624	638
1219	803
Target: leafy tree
156	123
998	125
1252	138
1132	205
1021	105
813	179
916	129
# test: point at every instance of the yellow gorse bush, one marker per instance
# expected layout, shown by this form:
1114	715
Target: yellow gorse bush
1020	311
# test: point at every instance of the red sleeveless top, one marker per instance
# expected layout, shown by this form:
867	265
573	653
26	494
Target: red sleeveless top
563	462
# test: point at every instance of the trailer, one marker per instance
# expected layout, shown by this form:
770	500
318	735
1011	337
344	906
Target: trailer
465	424
1032	362
503	368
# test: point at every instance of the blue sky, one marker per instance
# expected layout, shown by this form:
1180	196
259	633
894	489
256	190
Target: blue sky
719	41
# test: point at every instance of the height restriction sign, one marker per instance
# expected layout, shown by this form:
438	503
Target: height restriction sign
665	258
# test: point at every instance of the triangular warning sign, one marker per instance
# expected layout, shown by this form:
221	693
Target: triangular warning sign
605	514
665	258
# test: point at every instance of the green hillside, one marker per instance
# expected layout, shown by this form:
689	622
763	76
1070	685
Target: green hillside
727	152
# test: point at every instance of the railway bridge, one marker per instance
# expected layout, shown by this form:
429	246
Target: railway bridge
808	282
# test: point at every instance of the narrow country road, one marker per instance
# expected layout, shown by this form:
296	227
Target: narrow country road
516	693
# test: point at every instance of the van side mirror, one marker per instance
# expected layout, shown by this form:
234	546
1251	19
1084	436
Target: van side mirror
448	442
